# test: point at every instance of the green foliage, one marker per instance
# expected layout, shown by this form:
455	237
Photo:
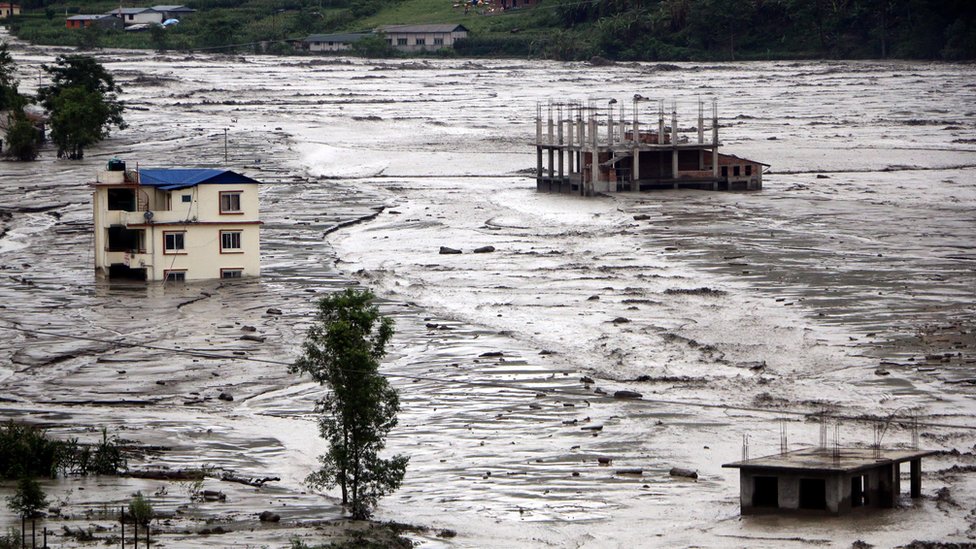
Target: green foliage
82	104
141	510
10	540
374	46
28	498
21	138
342	351
27	451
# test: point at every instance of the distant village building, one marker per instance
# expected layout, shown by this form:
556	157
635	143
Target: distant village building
423	37
332	42
591	149
8	9
175	224
171	11
100	21
826	480
137	16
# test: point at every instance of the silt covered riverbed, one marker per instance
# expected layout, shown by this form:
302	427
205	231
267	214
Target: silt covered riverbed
846	285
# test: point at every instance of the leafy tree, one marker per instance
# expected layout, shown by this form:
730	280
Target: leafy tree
342	351
21	138
158	38
374	46
82	102
141	510
27	502
10	99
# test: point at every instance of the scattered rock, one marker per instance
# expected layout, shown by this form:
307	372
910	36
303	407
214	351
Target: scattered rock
586	379
273	311
627	394
449	251
591	428
630	471
268	516
604	460
693	291
491	354
252	337
861	545
213	495
822	176
446	533
160	382
682	472
250	328
484	250
226	397
620	320
593	298
881	372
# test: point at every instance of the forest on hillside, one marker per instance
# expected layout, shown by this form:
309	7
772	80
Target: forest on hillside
656	30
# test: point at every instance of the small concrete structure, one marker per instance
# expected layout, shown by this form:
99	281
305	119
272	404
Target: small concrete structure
423	37
8	9
333	42
137	16
826	480
590	151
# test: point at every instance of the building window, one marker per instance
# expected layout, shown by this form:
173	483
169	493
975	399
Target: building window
765	492
186	198
121	200
748	169
438	41
401	41
735	171
420	41
725	171
231	273
230	202
174	242
174	276
230	242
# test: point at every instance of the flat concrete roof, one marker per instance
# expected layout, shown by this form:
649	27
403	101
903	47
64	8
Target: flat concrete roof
822	460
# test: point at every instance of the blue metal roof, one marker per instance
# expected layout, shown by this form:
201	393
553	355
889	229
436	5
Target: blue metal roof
181	178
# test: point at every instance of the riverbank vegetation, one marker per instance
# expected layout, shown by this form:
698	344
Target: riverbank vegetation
28	451
559	29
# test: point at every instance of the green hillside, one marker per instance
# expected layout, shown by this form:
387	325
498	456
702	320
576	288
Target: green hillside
560	29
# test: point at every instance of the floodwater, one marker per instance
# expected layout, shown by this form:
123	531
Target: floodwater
846	285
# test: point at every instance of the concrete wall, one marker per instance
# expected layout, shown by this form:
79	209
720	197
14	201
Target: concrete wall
329	46
881	489
393	38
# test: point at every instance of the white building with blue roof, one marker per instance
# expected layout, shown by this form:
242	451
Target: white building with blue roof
160	224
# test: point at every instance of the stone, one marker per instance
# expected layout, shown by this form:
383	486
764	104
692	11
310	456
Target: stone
268	516
484	250
213	495
252	337
621	320
641	217
627	394
225	396
449	251
682	472
273	311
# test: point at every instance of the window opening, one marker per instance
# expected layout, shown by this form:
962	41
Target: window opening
174	242
765	492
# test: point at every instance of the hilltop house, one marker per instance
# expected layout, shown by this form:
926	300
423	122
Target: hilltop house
170	11
175	224
332	42
8	9
423	37
100	21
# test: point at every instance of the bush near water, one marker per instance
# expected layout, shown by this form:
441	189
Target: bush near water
27	451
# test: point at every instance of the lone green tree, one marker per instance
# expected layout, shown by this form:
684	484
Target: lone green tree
27	502
82	102
20	139
342	351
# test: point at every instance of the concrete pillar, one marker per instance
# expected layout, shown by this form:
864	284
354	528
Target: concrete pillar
538	123
674	142
895	481
569	141
538	163
636	173
559	137
714	139
610	126
701	123
916	474
660	124
550	126
552	167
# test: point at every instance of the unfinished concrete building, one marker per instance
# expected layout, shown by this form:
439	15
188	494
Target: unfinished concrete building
585	150
826	481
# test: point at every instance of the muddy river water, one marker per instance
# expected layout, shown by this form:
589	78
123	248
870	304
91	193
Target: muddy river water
848	284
